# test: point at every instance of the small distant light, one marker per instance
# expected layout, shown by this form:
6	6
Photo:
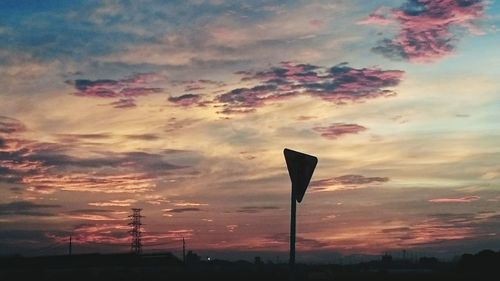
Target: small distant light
209	258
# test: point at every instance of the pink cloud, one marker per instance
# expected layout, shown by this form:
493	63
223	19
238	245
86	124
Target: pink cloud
305	117
376	18
125	90
316	23
336	130
85	182
114	203
426	28
346	182
465	199
339	84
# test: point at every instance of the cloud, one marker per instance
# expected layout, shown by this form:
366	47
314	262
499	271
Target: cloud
231	227
305	118
466	199
48	167
194	85
186	100
256	209
339	84
72	138
430	232
10	125
124	103
78	137
181	210
175	124
104	233
95	215
25	208
125	91
346	182
189	204
301	242
155	199
85	182
336	130
114	203
143	137
427	28
377	17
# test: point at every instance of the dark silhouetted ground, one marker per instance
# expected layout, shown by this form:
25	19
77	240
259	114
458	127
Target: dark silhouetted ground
484	265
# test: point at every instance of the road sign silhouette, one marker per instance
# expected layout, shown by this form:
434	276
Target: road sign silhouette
300	168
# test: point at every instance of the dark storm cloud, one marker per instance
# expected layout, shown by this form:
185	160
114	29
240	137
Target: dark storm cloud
427	28
25	208
339	84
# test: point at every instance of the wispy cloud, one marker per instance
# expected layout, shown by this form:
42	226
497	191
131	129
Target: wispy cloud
466	199
95	215
114	203
181	210
346	182
336	130
26	208
49	167
256	209
10	125
189	204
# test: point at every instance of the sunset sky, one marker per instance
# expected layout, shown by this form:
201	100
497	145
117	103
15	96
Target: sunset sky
183	108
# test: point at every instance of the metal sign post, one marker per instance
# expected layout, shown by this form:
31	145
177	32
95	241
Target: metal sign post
300	168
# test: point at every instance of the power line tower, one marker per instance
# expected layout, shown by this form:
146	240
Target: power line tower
135	222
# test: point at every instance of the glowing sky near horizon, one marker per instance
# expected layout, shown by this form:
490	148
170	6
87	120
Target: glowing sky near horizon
183	108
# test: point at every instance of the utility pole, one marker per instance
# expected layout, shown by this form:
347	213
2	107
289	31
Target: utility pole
183	250
70	245
135	223
293	214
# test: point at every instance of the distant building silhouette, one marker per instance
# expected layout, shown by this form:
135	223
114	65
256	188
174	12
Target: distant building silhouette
192	258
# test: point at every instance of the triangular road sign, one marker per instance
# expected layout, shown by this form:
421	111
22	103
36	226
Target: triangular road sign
300	168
